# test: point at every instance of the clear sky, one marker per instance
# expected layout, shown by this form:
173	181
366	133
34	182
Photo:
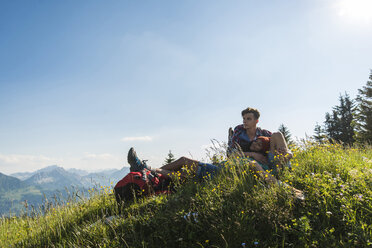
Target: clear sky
83	81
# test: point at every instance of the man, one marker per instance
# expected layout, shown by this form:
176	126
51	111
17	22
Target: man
247	132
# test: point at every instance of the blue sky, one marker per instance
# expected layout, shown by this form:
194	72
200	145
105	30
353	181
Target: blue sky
83	81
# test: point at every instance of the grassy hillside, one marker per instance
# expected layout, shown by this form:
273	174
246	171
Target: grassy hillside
235	209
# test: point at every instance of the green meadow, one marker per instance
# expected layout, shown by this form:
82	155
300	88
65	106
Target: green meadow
234	209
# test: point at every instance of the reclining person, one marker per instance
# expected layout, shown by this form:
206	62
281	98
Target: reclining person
242	139
276	150
199	169
185	166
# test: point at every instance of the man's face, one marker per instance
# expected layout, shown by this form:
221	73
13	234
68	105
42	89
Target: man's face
256	145
249	121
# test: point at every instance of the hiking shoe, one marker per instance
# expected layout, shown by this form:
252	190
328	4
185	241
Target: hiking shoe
135	163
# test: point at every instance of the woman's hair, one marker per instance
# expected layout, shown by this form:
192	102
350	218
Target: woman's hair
254	111
265	141
246	146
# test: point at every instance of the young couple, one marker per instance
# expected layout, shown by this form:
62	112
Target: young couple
267	151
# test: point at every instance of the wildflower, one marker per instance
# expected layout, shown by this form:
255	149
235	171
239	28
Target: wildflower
243	245
328	212
255	243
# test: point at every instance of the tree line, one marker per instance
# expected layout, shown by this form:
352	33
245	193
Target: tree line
350	121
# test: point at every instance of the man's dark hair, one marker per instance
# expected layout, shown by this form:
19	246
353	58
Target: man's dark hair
254	111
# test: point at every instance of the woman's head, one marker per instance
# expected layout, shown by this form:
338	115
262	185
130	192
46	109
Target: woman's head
261	144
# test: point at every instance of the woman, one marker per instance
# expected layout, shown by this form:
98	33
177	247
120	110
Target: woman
275	147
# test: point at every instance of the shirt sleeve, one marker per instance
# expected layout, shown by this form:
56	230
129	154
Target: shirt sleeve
234	139
266	133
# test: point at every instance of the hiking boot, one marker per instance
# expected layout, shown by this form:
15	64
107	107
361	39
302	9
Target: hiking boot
135	163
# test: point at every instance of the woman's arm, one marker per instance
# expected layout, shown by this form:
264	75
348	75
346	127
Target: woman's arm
257	156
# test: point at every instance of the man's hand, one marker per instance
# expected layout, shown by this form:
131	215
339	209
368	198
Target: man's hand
257	156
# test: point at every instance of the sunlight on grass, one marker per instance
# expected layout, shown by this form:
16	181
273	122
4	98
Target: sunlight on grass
234	207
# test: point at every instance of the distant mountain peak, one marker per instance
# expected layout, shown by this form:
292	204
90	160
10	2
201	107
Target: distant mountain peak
49	168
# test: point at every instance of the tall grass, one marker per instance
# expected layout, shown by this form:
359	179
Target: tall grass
234	209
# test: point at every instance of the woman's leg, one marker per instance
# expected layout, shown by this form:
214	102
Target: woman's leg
186	166
278	143
279	149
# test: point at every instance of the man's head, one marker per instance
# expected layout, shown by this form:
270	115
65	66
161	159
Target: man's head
250	118
261	144
254	111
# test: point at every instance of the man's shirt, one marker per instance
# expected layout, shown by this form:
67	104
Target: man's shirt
240	137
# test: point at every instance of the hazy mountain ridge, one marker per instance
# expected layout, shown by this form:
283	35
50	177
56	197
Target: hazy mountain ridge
48	181
77	177
9	182
55	178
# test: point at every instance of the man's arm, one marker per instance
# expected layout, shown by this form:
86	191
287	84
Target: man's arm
233	140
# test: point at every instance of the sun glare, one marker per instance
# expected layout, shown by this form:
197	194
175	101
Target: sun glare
357	10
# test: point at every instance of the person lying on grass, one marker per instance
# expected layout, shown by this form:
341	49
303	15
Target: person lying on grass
187	167
276	150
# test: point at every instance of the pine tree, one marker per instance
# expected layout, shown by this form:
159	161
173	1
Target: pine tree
345	111
169	159
363	115
286	133
319	134
338	125
330	126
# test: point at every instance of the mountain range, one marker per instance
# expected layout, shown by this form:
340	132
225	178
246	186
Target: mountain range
33	187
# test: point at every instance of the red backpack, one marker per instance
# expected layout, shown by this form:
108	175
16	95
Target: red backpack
137	184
